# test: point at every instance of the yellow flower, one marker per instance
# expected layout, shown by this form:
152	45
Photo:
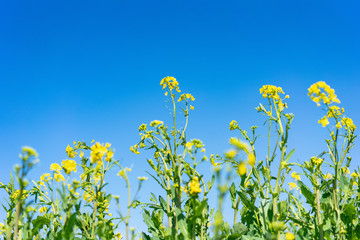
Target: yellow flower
109	155
231	153
45	177
69	166
134	149
43	210
345	170
70	152
320	91
334	111
239	144
295	176
194	186
55	167
58	177
251	159
156	123
171	83
316	160
354	175
233	125
327	176
142	127
88	197
293	185
348	123
118	236
324	121
338	125
191	107
142	178
270	91
15	194
97	152
289	236
241	170
29	151
81	154
189	145
2	228
212	160
122	173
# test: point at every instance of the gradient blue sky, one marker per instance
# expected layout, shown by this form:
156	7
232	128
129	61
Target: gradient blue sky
83	70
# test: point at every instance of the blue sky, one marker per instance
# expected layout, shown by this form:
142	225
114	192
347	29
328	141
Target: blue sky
83	70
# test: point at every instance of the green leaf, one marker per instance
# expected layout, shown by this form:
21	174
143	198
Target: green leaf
287	158
344	184
163	204
233	195
310	197
238	229
182	223
39	223
245	200
147	220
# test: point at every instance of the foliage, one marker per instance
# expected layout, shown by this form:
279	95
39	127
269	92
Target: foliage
321	202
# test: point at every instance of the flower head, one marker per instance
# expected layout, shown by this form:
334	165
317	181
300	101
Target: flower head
70	152
69	166
194	186
295	176
171	83
321	92
241	170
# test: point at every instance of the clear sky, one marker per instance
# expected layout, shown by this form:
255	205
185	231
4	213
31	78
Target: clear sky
83	70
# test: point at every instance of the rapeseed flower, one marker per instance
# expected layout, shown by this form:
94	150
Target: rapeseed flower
143	178
321	92
233	125
348	123
142	127
97	152
231	153
189	145
171	83
251	159
293	185
59	177
43	210
354	175
316	160
324	121
194	186
289	236
239	144
327	176
156	123
45	177
345	170
134	149
270	91
55	167
241	170
69	166
295	176
70	152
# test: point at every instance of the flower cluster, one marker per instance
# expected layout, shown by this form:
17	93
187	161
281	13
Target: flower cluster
194	186
271	91
98	151
171	83
321	92
57	175
69	166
